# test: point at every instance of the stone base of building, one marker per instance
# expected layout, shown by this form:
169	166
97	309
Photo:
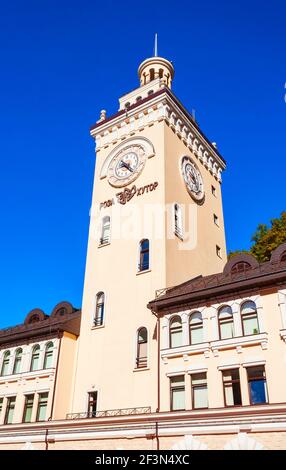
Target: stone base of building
250	428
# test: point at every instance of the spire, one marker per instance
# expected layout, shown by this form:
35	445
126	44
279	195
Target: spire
156	45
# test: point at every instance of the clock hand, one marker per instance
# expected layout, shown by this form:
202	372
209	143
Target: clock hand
126	165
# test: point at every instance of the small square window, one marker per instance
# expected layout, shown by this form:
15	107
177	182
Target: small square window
218	251
213	191
216	220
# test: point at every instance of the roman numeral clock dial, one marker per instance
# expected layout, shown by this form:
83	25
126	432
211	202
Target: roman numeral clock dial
193	179
126	166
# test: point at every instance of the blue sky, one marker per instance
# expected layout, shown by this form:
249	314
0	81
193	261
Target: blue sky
63	61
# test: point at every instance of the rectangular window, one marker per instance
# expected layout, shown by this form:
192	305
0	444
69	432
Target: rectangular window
1	404
213	191
11	401
177	385
231	387
28	408
216	220
218	251
42	406
92	404
199	391
257	385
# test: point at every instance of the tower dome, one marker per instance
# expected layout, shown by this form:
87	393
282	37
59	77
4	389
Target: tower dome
156	67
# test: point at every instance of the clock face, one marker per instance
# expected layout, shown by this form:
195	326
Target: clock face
126	166
193	179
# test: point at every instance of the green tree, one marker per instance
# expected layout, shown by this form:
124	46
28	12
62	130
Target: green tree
266	239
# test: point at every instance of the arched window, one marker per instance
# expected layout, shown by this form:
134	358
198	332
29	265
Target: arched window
5	363
48	358
249	318
161	71
178	220
105	230
142	341
225	322
240	267
144	255
176	336
152	74
99	309
283	257
35	361
196	328
17	361
150	92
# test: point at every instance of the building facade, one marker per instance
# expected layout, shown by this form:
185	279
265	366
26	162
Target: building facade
202	365
37	366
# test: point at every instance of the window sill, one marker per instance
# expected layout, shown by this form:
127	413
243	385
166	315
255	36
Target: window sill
101	245
143	272
179	236
206	348
97	327
141	369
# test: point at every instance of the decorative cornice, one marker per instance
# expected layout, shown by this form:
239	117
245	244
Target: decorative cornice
161	106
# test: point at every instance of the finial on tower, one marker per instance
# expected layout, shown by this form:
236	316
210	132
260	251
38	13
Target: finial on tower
156	67
156	45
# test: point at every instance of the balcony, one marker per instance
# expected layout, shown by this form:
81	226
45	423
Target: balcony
110	413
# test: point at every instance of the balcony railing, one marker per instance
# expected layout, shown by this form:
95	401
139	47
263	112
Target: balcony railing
110	413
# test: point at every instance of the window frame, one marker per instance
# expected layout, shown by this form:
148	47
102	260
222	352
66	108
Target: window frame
104	225
140	362
256	379
39	407
245	315
91	402
141	268
50	343
99	306
220	322
227	382
172	320
26	407
177	388
196	387
8	409
38	348
17	360
7	354
195	327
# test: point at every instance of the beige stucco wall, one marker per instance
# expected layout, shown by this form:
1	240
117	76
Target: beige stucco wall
65	375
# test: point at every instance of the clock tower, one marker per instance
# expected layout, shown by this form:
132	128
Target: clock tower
156	221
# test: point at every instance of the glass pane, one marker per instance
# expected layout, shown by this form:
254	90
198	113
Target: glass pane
178	400
200	397
232	374
256	372
142	335
48	359
179	380
10	410
5	367
17	365
199	379
197	335
250	325
258	392
35	362
226	330
232	394
42	412
176	339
